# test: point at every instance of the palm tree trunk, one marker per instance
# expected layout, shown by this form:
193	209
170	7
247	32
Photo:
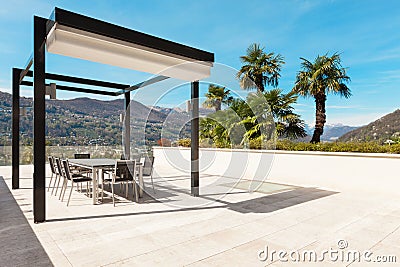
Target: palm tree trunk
320	117
217	105
260	85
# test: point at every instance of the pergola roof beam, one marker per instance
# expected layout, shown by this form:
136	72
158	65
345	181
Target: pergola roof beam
124	88
81	22
26	70
64	78
77	89
145	83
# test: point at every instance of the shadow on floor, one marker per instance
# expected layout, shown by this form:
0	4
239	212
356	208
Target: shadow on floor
265	204
19	245
271	203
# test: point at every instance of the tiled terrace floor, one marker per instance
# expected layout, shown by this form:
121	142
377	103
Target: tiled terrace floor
209	231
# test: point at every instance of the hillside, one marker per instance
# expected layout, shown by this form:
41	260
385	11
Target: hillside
84	121
331	132
387	127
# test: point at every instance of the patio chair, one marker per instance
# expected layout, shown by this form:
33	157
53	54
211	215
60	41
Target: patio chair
75	179
75	173
80	170
59	176
147	163
82	156
124	173
53	171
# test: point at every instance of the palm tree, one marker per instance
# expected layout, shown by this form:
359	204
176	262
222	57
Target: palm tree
317	79
216	96
259	69
287	123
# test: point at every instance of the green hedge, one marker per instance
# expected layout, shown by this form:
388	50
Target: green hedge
361	147
184	142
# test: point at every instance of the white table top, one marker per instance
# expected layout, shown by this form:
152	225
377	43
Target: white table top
95	163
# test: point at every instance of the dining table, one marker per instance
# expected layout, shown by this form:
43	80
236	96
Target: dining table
98	166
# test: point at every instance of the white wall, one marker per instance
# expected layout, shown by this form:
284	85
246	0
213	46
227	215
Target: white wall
361	172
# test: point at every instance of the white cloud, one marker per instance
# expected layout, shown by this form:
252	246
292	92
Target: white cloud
381	55
355	120
7	90
342	107
389	76
301	105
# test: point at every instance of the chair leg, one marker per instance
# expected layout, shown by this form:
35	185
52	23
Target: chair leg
151	177
58	185
135	191
54	185
112	190
102	190
70	193
65	189
62	188
51	178
126	189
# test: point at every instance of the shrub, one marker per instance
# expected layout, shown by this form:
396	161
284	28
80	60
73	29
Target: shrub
285	144
362	147
186	142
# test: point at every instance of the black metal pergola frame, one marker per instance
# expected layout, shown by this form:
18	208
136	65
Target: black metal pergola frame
42	26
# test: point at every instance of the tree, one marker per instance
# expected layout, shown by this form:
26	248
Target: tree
263	115
287	123
216	96
222	128
259	69
317	79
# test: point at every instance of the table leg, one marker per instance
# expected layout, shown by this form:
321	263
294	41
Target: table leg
102	183
94	189
141	183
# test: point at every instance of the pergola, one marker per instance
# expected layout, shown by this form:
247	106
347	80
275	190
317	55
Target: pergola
74	35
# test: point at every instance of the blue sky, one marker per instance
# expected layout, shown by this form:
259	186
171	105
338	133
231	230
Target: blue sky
366	33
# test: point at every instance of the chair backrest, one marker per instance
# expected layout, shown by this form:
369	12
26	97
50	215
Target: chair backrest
123	157
82	156
67	171
52	167
125	169
58	166
147	165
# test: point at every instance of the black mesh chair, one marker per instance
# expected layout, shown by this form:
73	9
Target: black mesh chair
74	173
124	173
53	171
80	170
147	165
59	176
75	179
82	156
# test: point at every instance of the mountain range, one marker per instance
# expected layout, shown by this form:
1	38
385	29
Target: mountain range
332	132
387	127
83	121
